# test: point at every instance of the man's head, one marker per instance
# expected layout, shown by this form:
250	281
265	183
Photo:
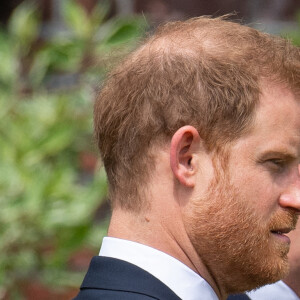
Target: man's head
203	72
203	117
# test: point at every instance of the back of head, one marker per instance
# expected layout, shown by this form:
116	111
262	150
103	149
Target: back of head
202	72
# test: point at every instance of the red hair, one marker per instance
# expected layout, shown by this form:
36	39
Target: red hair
203	72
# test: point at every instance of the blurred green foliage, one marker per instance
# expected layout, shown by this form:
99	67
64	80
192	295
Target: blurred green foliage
47	201
294	35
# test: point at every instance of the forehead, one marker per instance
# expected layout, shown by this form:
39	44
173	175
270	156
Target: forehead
276	125
278	115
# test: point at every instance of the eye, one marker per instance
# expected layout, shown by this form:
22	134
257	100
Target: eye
276	163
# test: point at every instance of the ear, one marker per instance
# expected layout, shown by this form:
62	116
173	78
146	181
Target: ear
184	145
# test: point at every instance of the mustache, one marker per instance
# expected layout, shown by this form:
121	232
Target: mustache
284	220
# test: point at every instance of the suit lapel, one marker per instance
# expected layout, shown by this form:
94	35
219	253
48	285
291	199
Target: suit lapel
118	275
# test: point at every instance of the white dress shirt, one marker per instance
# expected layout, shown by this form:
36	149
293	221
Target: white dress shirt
276	291
183	281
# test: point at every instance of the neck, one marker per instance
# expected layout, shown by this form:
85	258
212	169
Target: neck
153	230
293	281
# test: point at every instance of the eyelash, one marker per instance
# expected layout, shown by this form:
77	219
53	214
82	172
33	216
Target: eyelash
277	163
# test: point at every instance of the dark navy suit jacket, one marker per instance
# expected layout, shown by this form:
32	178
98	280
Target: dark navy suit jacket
114	279
238	297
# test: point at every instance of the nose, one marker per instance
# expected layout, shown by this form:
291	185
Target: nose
291	197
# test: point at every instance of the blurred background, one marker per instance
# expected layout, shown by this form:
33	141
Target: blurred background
54	54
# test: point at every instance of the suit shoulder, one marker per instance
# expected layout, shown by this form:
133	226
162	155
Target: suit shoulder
110	278
96	294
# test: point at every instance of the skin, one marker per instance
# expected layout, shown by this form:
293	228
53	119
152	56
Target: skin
261	179
293	278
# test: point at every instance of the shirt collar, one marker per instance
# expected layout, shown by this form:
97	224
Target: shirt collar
277	290
183	281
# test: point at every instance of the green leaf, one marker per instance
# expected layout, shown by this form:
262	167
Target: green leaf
123	31
99	13
77	19
39	68
9	63
65	54
24	26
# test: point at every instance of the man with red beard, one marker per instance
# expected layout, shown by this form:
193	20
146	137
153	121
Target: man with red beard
199	133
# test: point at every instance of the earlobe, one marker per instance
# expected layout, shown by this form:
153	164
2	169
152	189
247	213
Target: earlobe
184	144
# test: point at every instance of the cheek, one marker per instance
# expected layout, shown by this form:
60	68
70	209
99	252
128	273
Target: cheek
259	192
294	254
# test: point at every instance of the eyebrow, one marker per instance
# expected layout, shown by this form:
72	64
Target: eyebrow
284	153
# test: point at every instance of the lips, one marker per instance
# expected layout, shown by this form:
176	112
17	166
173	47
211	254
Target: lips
282	230
280	234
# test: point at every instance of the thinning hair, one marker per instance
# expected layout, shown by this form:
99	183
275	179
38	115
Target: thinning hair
204	72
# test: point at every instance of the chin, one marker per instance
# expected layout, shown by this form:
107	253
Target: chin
262	272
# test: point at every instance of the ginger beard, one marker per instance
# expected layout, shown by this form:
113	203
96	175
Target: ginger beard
234	242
